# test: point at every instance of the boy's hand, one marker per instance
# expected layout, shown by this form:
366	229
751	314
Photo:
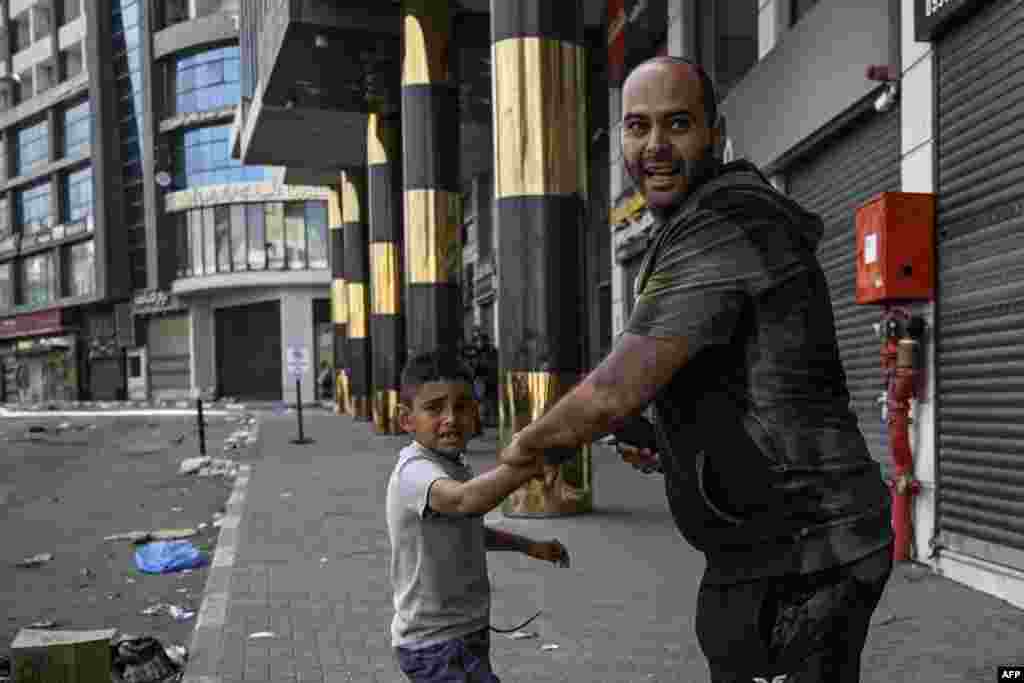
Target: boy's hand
513	455
549	551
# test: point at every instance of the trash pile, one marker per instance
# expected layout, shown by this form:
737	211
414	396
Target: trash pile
205	466
146	660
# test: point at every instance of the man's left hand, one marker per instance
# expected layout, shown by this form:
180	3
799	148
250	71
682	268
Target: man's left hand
514	455
549	551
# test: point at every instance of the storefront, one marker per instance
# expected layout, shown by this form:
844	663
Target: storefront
979	359
40	359
162	371
833	180
249	351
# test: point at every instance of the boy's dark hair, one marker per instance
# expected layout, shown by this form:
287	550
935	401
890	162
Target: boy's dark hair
433	366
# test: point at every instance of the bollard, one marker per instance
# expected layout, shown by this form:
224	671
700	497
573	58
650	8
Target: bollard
202	427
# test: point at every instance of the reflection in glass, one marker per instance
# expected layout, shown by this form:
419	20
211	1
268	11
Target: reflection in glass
295	224
257	237
222	216
209	244
6	285
316	233
78	194
181	243
238	241
195	225
82	280
274	217
38	276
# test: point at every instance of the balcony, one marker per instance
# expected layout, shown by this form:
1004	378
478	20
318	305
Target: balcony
318	61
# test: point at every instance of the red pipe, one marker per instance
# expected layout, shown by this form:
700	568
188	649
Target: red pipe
903	486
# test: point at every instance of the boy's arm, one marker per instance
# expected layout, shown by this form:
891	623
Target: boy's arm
480	494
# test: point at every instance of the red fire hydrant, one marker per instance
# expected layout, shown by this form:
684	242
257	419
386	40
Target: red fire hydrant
902	387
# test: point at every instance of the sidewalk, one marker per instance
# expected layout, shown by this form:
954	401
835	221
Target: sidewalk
309	559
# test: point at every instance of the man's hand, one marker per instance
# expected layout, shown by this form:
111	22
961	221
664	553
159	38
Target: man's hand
549	551
642	459
514	455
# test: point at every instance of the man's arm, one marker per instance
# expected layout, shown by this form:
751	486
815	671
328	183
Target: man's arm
496	539
622	385
480	494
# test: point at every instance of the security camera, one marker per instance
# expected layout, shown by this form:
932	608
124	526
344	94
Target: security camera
887	99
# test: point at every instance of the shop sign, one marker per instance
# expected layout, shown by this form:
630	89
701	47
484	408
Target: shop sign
235	193
932	16
44	343
32	323
155	301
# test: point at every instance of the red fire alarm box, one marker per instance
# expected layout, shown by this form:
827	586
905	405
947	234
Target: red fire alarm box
895	247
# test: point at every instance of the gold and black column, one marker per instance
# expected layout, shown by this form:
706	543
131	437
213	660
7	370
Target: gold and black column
430	144
339	304
387	324
357	278
539	70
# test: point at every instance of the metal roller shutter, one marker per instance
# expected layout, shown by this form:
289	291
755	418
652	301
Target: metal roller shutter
832	182
980	312
169	371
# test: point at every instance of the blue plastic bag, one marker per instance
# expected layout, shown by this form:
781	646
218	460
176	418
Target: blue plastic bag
163	557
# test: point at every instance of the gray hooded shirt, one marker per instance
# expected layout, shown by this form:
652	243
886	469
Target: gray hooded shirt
762	405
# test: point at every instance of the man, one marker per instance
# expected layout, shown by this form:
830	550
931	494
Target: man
732	338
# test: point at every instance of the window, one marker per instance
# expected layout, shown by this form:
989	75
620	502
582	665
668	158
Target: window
195	238
39	278
3	159
5	218
181	246
6	285
81	269
175	11
274	225
799	9
316	233
34	208
43	20
222	236
239	258
77	129
20	33
728	46
295	229
70	10
26	87
209	242
257	236
33	145
46	76
207	80
78	194
71	62
202	157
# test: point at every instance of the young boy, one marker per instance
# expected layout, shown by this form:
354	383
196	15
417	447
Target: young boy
435	509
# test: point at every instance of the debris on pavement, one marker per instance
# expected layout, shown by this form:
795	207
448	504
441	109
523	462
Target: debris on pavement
5	668
522	635
287	494
163	557
549	646
35	561
144	660
138	537
174	611
46	623
193	465
261	635
37	429
209	467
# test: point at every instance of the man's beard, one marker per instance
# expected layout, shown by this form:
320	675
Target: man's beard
695	171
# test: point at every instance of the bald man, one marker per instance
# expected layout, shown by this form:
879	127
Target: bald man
732	341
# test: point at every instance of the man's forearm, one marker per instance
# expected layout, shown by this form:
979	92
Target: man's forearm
496	539
581	417
483	493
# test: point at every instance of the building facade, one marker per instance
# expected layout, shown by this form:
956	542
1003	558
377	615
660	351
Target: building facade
798	102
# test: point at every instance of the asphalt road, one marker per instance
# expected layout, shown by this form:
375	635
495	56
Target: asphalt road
64	489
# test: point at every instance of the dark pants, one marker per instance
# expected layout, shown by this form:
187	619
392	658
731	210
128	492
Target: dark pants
796	629
460	660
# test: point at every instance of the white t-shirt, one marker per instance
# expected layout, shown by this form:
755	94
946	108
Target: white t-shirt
438	562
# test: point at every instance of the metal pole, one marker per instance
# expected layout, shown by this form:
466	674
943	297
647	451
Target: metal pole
202	427
298	401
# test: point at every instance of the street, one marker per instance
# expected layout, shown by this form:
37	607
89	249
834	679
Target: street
66	483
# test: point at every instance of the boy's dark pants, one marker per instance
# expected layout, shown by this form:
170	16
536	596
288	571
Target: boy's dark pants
460	660
807	629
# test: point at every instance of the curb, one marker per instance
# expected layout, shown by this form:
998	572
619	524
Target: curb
207	647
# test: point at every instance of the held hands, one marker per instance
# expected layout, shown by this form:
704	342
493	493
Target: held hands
514	455
549	551
642	459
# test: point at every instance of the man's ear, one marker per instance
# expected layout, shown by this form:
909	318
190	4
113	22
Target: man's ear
404	418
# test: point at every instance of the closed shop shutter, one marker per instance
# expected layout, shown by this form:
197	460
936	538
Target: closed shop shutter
836	179
106	379
249	351
980	308
169	355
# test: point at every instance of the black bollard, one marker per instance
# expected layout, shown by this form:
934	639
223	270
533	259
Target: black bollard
302	440
202	427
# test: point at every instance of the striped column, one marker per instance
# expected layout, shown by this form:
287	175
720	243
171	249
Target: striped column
430	148
339	304
386	320
357	277
539	70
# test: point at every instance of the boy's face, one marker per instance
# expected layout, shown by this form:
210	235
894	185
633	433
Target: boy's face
443	416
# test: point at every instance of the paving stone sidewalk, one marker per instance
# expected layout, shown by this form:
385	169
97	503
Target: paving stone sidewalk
311	568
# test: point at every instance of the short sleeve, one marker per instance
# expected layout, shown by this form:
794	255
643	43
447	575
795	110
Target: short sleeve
414	481
699	283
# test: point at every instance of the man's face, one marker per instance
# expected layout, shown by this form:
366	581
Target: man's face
443	416
663	127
